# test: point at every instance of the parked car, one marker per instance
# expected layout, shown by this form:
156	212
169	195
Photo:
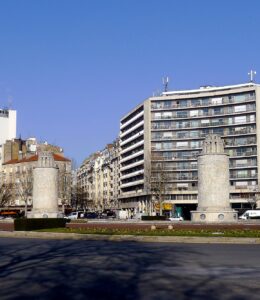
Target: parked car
91	215
75	215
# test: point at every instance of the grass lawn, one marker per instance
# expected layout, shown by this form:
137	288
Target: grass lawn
159	232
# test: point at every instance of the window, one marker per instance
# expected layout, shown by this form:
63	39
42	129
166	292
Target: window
195	144
167	135
240	119
182	144
216	100
239	108
194	113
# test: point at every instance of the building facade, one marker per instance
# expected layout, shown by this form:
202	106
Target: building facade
161	139
97	180
17	174
7	128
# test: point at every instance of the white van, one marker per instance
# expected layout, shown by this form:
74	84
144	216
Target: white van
250	214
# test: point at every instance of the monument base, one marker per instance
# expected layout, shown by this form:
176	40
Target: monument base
208	216
44	214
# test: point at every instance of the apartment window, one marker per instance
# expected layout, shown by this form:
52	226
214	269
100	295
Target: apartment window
216	100
195	102
252	118
240	98
194	113
182	114
181	144
240	119
182	134
183	103
167	115
216	110
157	115
239	108
194	134
241	184
167	135
205	101
195	144
241	162
168	145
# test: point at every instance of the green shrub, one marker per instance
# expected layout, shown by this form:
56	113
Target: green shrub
153	218
35	224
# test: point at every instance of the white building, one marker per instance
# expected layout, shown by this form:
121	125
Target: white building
7	128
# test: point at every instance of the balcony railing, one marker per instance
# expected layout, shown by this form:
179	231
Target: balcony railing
201	115
225	101
156	126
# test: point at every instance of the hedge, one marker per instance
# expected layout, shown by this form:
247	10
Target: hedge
153	218
35	224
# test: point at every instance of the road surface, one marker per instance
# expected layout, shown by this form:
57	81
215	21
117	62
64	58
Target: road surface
67	269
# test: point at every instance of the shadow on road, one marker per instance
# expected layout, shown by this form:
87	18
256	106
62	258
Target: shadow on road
41	269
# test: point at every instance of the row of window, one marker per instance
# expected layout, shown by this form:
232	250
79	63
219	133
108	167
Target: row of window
198	144
171	166
203	112
167	135
183	155
204	122
207	101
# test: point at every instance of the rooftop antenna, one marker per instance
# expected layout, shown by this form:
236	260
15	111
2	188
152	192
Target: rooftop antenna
165	81
252	75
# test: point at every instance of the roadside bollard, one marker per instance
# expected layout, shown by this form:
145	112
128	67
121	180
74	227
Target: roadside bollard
153	227
170	227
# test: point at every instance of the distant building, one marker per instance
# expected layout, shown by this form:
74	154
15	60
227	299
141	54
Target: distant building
7	127
17	174
98	179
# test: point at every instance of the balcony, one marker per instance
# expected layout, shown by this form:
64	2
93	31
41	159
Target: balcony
132	183
132	129
132	156
131	138
139	172
135	164
176	126
132	147
225	101
132	120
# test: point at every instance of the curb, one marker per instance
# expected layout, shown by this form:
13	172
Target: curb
132	238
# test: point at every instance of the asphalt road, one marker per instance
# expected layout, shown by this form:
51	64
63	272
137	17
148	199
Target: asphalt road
67	269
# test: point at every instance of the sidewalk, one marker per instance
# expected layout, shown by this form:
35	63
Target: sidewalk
121	238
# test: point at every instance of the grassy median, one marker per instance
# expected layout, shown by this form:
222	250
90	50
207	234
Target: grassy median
159	232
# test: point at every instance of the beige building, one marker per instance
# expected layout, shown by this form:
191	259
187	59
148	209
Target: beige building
19	159
97	179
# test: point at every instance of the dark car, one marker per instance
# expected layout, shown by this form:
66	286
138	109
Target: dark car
91	215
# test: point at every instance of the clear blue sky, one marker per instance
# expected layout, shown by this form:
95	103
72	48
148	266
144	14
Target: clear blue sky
73	68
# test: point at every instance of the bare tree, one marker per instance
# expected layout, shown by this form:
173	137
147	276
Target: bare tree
24	187
157	181
6	194
64	186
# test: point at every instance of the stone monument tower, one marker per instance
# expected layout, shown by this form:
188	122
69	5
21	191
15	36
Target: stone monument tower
213	183
45	187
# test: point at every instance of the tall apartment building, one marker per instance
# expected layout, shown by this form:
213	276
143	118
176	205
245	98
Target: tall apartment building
166	133
135	145
7	128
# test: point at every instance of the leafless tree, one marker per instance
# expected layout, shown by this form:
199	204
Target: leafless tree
156	179
6	194
24	187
